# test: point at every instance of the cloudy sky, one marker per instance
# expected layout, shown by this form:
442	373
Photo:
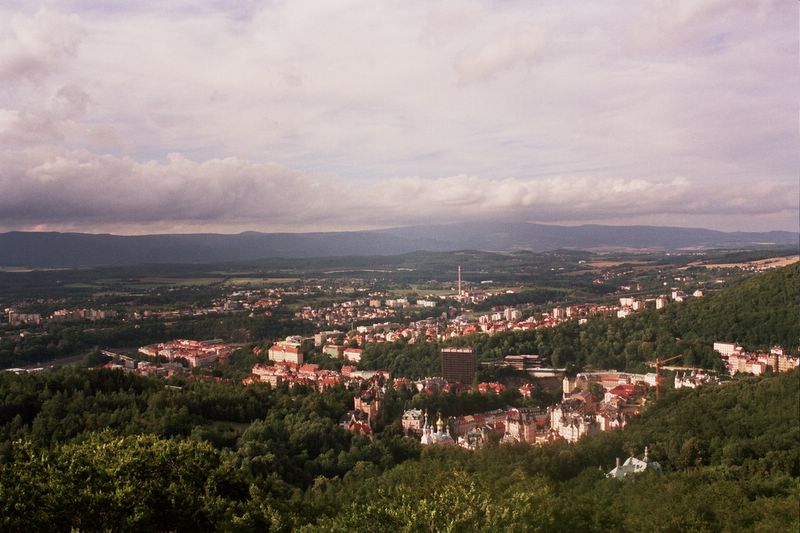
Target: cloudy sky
133	117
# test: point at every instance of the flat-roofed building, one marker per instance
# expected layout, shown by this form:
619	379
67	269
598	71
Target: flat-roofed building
353	354
524	362
333	350
458	365
726	348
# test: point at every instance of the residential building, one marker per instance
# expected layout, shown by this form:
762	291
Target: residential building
458	364
286	351
525	425
333	350
787	363
369	403
353	354
571	420
195	353
17	319
726	348
694	379
485	388
412	421
494	420
323	336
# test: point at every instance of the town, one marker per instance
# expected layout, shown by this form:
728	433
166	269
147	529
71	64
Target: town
535	399
590	402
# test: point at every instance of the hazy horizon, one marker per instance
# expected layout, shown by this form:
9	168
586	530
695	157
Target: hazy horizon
383	228
300	117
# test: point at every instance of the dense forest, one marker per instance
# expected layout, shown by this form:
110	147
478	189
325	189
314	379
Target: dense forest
99	450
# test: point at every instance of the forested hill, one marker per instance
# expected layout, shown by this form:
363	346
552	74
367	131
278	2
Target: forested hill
730	456
50	249
759	312
218	457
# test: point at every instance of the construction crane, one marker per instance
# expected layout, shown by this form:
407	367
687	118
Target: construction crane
658	364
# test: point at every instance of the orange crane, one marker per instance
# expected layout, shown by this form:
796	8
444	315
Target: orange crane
658	364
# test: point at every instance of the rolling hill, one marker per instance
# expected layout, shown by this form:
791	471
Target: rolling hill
52	249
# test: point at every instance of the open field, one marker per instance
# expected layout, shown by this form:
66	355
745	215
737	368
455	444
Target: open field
609	264
260	282
181	281
772	262
17	269
155	282
574	273
345	271
422	290
81	286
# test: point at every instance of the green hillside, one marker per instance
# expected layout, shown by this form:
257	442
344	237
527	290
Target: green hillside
201	459
759	313
730	454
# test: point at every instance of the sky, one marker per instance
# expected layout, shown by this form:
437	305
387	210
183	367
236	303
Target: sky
155	117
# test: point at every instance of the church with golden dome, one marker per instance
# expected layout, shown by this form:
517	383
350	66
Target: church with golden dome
439	435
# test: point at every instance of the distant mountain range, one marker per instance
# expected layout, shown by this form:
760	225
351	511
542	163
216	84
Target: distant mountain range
50	249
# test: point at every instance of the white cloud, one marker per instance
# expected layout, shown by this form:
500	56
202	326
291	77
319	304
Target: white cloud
298	115
678	23
519	46
35	44
236	193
